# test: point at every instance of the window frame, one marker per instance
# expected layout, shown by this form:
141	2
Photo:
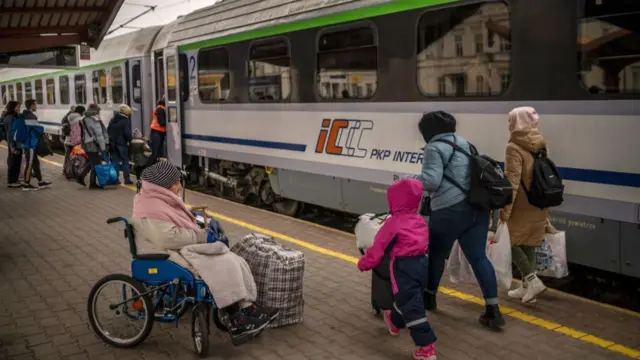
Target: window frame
24	90
20	93
11	89
263	41
35	91
122	84
488	97
226	49
343	27
68	90
185	86
46	92
94	89
136	76
4	97
75	89
584	89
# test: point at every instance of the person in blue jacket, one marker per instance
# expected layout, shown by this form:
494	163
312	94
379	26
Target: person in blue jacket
34	131
451	217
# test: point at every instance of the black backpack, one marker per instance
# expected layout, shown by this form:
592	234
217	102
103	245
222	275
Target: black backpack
3	130
546	188
66	128
490	189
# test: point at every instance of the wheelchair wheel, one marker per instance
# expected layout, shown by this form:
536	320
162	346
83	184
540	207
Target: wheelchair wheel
200	330
220	319
119	296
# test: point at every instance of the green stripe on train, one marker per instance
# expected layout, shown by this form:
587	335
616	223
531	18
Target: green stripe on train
347	16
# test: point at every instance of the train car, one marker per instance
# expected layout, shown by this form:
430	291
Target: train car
114	75
318	101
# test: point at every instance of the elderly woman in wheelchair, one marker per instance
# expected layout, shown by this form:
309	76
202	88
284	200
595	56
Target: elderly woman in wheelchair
179	261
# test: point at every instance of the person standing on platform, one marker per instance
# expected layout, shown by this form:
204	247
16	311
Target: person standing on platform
119	131
158	132
14	156
34	130
95	142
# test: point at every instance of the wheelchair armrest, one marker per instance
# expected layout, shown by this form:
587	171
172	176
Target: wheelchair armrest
152	257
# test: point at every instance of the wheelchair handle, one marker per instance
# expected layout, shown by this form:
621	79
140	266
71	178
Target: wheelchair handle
117	219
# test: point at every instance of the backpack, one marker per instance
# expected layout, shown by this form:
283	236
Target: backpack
490	189
66	128
3	130
43	147
75	134
546	188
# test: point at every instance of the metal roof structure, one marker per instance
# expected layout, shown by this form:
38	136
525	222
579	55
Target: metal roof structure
35	24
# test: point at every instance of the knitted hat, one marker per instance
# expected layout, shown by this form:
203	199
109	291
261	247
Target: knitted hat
137	134
125	109
162	174
436	122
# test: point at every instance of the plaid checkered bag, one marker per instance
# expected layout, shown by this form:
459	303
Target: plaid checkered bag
278	272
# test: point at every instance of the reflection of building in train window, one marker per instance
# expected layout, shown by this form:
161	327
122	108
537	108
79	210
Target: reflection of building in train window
19	94
51	91
80	85
117	90
213	75
609	47
348	60
28	91
269	70
65	97
445	36
39	92
99	83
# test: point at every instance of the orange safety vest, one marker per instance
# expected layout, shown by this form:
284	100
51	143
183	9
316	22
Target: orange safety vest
154	124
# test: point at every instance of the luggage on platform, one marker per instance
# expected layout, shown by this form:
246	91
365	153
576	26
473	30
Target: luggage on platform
278	272
381	289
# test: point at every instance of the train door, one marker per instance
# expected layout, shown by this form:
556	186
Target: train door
174	105
134	93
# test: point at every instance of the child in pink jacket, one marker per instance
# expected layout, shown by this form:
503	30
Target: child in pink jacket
406	235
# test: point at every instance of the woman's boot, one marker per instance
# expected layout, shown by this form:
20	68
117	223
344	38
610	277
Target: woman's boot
535	287
520	291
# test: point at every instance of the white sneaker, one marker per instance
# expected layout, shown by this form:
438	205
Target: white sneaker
519	292
535	287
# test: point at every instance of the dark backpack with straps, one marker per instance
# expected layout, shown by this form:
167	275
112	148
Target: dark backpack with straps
546	188
490	189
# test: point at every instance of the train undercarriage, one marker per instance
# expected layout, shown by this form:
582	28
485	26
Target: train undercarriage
239	182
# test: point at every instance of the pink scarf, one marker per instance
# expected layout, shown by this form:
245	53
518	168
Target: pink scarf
156	202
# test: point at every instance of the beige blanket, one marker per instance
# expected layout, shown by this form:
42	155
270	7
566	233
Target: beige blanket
228	276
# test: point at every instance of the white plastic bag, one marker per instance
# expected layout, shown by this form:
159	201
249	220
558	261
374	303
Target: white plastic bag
458	267
367	228
499	253
551	257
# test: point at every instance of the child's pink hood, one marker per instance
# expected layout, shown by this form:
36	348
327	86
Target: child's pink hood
405	226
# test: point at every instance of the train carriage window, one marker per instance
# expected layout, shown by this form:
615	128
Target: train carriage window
184	80
12	94
64	89
51	91
213	75
117	89
269	70
28	90
4	95
80	85
452	56
609	46
99	82
348	62
39	92
19	94
137	83
171	78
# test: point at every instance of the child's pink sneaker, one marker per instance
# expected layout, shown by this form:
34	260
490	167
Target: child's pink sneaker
393	331
425	353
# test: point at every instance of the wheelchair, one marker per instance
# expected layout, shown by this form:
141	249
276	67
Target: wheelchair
157	290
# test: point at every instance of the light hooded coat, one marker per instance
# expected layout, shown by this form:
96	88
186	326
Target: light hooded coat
163	225
526	222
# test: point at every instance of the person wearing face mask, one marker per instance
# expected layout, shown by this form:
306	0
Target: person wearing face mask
163	224
444	172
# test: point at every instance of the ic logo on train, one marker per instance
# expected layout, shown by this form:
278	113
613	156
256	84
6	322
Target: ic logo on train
342	137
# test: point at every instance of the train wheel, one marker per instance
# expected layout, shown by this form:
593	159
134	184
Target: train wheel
287	207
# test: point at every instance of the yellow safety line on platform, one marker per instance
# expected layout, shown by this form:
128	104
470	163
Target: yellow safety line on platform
549	325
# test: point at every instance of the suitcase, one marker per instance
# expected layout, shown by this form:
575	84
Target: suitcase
278	272
381	288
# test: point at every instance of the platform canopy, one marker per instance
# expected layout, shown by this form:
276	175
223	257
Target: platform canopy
27	25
